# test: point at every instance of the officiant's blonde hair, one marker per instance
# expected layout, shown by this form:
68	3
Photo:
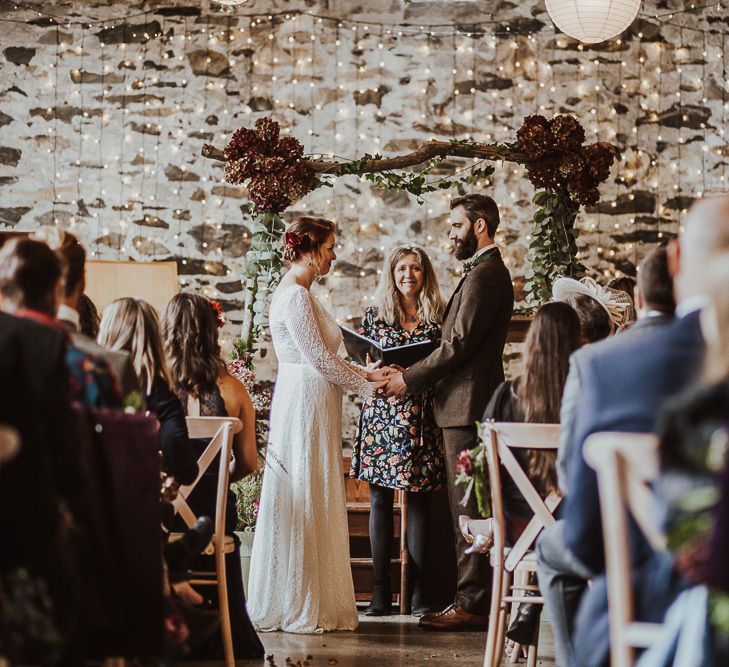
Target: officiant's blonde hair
430	302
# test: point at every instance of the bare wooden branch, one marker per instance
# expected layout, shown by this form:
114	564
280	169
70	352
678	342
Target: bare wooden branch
427	151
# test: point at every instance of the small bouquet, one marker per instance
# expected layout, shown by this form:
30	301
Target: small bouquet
472	472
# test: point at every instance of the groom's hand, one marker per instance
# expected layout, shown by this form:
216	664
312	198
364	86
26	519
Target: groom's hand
396	387
380	374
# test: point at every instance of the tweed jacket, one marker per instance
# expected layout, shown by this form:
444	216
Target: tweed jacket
467	367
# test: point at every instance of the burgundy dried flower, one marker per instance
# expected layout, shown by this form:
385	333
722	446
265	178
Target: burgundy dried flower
268	194
535	137
544	173
267	131
588	197
571	165
463	462
239	170
567	132
599	158
242	143
289	148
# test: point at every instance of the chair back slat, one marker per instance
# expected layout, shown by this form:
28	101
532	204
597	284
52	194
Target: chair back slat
531	532
220	431
625	463
499	438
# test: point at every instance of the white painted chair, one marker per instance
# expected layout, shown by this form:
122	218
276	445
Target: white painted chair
626	463
512	566
220	432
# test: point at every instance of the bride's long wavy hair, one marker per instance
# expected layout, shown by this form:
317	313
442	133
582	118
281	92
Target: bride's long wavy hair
388	300
553	336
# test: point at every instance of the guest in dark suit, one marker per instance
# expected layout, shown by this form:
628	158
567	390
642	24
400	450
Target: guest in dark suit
627	380
42	490
655	303
654	299
463	373
73	255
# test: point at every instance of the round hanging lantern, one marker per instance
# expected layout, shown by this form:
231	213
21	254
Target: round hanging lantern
592	21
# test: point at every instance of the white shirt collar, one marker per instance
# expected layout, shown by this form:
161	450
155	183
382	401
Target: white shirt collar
483	250
691	305
68	314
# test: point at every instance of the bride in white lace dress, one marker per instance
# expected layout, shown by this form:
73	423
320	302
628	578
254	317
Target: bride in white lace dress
300	578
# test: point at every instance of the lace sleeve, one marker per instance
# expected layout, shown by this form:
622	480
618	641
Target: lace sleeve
303	325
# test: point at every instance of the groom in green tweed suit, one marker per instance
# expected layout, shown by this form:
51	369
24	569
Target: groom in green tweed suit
463	372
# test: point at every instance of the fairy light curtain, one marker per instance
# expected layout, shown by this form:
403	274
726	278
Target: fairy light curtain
108	116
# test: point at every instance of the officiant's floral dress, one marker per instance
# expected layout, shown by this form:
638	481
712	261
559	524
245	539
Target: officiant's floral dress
398	444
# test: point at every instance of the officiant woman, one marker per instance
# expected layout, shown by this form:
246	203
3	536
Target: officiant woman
398	445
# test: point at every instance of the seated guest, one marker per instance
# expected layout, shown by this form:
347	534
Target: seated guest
592	302
654	297
34	285
693	455
42	490
398	445
626	381
533	397
626	284
600	311
200	378
131	326
73	255
88	317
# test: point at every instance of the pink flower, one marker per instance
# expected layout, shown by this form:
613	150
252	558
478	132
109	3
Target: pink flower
464	464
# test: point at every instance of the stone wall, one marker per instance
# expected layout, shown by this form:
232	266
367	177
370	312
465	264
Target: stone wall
105	108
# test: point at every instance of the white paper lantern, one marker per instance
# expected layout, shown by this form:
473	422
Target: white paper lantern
592	21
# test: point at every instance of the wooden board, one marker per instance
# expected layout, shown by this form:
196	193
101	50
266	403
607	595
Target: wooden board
155	282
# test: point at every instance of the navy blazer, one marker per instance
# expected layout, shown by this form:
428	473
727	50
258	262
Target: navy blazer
626	380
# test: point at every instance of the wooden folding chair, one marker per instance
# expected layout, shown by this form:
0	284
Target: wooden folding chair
626	464
220	431
512	566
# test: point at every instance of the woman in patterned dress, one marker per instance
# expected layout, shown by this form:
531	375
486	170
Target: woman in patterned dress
398	444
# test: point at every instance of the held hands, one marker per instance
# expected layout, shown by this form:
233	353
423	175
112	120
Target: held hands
396	387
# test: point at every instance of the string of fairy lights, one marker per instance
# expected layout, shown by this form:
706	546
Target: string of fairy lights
144	109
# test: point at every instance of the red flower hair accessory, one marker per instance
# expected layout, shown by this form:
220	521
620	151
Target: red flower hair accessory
293	240
218	311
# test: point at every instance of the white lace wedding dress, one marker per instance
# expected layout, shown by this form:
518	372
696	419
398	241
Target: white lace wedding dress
300	578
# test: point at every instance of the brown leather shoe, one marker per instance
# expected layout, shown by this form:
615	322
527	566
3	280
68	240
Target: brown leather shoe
453	618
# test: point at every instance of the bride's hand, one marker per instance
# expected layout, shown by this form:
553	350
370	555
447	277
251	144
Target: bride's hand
372	366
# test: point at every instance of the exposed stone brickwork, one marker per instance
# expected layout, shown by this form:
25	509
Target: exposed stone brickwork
102	125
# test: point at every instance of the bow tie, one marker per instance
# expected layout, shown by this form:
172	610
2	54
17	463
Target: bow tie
474	261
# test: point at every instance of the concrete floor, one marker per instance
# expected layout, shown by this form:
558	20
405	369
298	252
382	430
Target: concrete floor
384	642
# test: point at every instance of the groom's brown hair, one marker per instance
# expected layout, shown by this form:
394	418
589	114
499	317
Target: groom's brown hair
479	206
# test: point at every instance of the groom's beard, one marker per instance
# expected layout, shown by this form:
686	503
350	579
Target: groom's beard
466	248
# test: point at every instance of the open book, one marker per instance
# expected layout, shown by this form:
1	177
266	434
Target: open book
359	346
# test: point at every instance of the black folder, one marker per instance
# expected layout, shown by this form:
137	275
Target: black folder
359	346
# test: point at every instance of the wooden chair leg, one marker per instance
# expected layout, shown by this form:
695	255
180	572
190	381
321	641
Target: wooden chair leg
503	611
519	580
225	629
533	650
491	635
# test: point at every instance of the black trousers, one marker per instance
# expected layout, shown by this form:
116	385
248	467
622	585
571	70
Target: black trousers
382	533
473	589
